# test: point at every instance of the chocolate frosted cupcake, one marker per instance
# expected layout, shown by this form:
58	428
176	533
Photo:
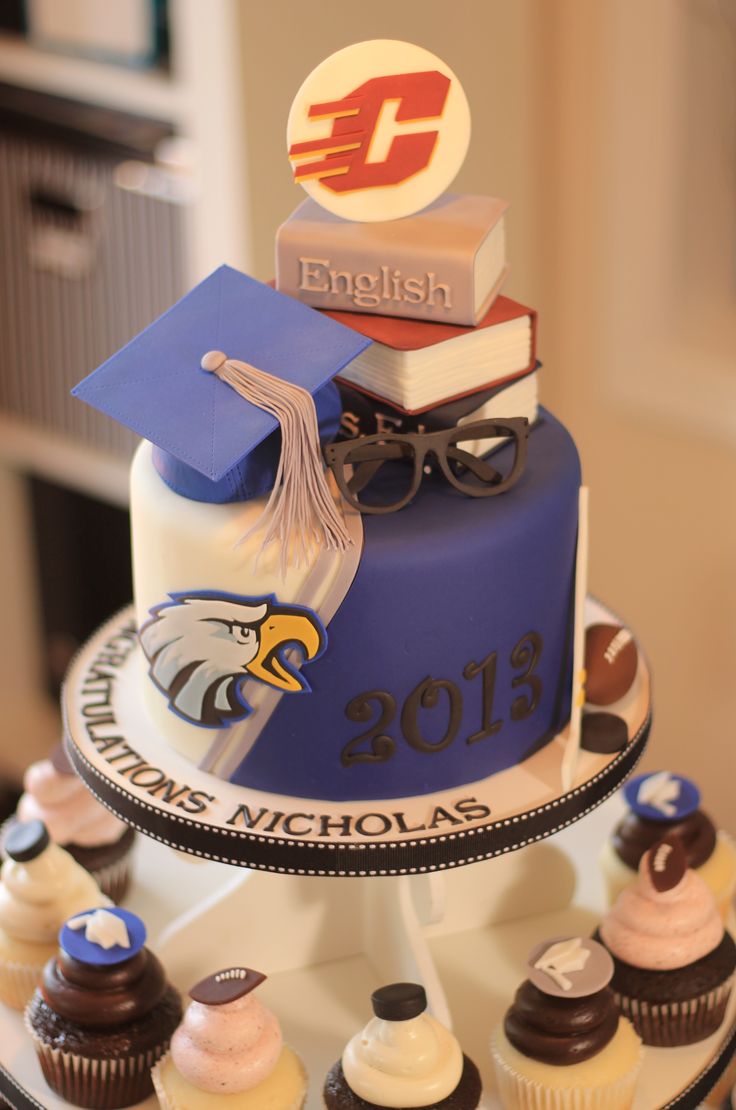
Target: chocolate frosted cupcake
403	1057
674	962
40	886
98	840
563	1043
666	805
104	1012
228	1052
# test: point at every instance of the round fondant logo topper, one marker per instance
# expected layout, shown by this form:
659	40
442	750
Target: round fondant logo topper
378	130
662	796
570	967
103	937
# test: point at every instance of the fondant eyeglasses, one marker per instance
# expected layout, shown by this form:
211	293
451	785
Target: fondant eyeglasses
369	484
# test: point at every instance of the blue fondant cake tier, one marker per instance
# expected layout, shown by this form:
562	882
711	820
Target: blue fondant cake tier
449	658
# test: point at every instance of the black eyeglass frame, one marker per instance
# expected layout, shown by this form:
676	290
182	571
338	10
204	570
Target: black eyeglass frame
417	445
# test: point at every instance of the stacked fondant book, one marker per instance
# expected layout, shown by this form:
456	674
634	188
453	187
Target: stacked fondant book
447	348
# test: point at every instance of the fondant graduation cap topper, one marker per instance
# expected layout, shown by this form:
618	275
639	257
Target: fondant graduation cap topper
103	937
378	130
662	796
569	967
207	424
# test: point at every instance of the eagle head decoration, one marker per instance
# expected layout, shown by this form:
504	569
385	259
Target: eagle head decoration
202	647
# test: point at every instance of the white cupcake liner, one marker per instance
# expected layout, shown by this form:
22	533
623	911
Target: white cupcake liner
167	1103
18	982
90	1082
517	1092
669	1024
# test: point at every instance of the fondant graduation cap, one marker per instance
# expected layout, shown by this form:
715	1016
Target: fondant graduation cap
210	442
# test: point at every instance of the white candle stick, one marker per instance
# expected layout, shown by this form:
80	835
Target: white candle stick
572	745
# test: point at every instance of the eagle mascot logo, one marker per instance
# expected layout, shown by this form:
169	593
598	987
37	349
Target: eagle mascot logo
202	647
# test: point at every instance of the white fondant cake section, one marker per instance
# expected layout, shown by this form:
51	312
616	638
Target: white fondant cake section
188	546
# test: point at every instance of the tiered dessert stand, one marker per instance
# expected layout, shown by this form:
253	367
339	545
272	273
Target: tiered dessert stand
326	940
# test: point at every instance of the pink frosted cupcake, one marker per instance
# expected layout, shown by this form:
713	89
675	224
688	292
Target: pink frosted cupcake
228	1052
673	960
98	840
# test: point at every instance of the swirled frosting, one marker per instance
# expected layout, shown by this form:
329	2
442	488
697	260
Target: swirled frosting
37	897
400	1064
67	808
229	1048
103	996
561	1031
662	929
635	835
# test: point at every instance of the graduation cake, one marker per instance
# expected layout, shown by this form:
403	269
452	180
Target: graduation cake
341	593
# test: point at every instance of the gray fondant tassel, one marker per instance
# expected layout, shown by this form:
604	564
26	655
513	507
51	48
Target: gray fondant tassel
300	513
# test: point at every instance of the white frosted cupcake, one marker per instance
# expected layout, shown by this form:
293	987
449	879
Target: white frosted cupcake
402	1058
562	1044
40	887
93	836
662	804
228	1052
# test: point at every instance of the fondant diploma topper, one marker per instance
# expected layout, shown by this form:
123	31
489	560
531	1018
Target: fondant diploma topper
378	130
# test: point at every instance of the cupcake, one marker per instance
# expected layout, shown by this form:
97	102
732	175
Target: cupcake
104	1012
228	1052
673	959
91	834
40	887
667	805
402	1058
563	1044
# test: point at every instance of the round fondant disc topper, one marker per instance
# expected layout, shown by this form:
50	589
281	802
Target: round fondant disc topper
662	796
569	967
378	130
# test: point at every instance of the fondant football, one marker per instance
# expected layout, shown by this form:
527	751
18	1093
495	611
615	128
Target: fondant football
611	661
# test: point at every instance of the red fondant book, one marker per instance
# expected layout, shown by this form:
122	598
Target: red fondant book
418	364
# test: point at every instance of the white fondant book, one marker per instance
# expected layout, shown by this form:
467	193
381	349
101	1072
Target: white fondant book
419	365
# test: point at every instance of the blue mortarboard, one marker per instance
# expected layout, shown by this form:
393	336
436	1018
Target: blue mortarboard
662	796
211	444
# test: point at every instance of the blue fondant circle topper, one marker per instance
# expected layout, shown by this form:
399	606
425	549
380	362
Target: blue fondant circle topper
662	796
88	935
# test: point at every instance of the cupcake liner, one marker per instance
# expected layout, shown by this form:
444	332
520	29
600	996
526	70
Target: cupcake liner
114	879
516	1092
97	1084
669	1024
18	982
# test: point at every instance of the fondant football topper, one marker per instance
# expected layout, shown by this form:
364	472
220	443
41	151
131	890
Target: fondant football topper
666	864
662	796
211	381
226	986
202	647
378	130
570	967
103	937
611	663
